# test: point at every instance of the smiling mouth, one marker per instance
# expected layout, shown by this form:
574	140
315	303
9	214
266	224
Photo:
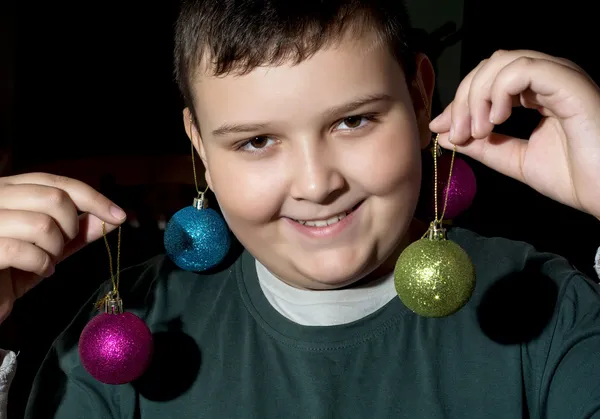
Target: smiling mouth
330	221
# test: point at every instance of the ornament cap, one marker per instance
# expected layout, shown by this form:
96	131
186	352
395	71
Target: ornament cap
200	202
436	231
113	304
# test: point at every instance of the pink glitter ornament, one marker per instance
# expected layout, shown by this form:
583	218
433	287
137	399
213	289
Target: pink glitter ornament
461	188
115	347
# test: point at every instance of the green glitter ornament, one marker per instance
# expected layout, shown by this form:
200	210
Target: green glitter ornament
434	277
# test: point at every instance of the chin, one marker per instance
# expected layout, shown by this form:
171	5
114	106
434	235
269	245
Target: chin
333	273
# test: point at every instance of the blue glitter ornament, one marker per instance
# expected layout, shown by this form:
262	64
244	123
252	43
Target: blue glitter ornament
197	237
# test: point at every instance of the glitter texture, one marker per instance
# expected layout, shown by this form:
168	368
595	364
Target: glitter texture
197	239
116	348
434	278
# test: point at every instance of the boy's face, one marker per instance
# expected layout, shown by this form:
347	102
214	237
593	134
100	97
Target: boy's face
316	166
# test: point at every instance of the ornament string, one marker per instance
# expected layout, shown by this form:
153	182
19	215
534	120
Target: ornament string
200	194
436	152
436	145
437	222
114	276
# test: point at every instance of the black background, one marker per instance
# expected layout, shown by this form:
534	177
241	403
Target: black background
86	79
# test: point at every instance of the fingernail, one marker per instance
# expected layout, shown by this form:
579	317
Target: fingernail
492	115
451	135
117	212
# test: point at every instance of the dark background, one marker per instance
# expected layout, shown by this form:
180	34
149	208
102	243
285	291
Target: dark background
87	91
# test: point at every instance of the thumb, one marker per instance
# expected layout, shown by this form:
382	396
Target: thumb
501	153
90	230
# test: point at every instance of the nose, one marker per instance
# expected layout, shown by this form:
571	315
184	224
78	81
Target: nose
316	177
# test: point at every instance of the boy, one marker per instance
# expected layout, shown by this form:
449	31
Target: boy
310	118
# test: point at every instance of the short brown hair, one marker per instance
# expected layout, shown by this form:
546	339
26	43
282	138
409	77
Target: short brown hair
237	36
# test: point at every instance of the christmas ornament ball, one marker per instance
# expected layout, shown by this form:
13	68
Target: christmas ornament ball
434	277
116	348
461	188
197	239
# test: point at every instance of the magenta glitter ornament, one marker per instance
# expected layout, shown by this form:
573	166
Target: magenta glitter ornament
461	188
116	347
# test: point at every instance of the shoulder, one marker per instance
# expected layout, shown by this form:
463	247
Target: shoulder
500	255
157	291
520	291
160	272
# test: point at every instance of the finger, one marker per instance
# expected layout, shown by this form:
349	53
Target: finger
474	96
25	256
501	153
45	200
85	198
480	99
460	130
90	230
33	227
534	81
442	122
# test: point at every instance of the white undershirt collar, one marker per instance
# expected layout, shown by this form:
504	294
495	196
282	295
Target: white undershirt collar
325	308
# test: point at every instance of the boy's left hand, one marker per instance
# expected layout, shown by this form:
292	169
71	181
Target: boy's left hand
561	159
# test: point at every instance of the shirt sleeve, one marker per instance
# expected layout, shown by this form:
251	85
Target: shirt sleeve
570	380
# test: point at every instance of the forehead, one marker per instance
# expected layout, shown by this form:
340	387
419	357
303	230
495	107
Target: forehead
336	74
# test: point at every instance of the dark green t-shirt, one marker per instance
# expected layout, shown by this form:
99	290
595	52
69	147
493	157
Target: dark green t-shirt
526	345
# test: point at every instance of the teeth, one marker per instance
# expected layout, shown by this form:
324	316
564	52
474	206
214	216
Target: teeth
324	223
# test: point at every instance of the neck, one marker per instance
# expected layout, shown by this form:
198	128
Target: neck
415	231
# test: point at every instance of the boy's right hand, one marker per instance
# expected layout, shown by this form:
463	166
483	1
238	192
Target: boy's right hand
40	226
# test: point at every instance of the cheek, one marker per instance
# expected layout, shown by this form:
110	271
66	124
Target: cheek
390	164
247	191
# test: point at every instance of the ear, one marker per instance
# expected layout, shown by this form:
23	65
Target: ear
422	95
191	129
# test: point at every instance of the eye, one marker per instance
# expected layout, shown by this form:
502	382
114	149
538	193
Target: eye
354	122
256	144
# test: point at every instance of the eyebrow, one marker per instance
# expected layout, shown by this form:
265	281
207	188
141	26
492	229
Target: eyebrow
357	104
346	108
226	129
